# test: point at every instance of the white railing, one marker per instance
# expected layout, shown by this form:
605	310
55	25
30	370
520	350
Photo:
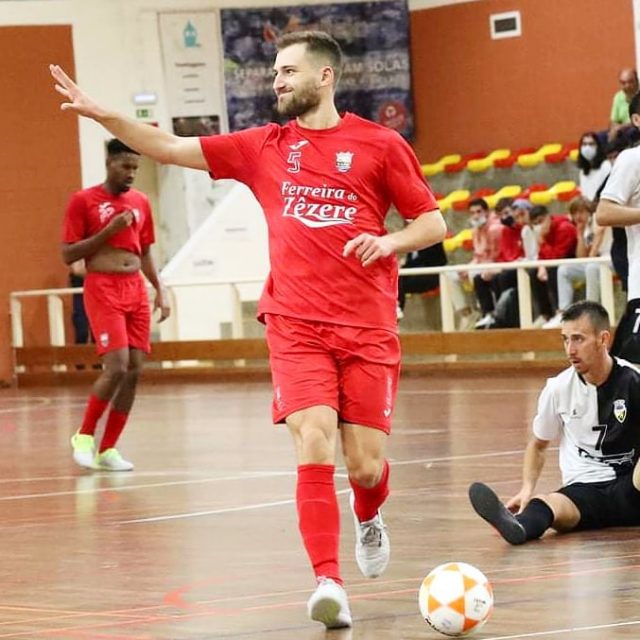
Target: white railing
55	307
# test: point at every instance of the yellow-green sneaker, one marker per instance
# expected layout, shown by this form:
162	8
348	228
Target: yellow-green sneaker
111	460
84	449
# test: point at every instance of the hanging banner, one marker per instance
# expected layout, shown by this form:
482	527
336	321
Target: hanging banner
374	36
192	71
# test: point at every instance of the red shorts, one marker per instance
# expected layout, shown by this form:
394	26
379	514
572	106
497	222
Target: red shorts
355	370
117	306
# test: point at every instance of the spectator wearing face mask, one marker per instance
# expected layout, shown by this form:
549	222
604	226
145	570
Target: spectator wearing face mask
592	163
488	284
485	235
557	237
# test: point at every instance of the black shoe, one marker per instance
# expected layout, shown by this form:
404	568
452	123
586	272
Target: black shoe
488	506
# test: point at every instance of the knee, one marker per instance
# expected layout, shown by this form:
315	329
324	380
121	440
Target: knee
365	472
115	371
315	439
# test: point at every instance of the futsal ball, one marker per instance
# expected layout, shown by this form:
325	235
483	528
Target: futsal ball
455	599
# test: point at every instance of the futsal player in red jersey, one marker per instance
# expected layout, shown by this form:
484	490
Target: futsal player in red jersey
325	182
111	228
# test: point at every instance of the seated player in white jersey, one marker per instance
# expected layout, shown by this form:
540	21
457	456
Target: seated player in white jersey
593	408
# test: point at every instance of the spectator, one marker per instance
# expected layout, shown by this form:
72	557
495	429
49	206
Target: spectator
620	122
557	238
513	217
433	256
486	232
592	163
81	333
592	240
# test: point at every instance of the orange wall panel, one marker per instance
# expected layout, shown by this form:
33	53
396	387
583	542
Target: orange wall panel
472	93
39	168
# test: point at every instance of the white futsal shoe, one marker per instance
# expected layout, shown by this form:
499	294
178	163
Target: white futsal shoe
328	604
373	549
111	460
84	449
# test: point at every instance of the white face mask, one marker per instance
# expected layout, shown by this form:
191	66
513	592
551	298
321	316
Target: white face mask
588	152
478	222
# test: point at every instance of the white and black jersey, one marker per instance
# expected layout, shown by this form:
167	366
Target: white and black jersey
598	427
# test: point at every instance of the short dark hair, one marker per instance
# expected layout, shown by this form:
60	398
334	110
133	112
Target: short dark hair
318	43
115	147
634	105
479	202
537	212
503	203
597	314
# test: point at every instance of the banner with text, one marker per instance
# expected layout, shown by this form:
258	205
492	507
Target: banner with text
374	36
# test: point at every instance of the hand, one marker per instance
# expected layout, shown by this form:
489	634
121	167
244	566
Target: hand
543	276
79	101
161	302
120	221
369	248
519	501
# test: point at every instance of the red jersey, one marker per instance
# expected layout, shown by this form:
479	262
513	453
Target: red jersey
318	189
560	241
90	210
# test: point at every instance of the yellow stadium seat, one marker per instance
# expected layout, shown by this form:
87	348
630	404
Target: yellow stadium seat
542	197
508	191
451	244
530	159
552	147
479	165
455	196
563	186
499	154
482	164
573	154
432	169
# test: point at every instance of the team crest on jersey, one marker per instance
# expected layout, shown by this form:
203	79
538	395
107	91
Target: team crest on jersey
105	210
619	410
343	161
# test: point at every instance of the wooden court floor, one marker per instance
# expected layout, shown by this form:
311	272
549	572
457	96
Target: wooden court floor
200	541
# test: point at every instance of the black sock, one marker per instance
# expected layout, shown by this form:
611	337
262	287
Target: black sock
536	518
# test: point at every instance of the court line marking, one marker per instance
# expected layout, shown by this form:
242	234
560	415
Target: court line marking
52	494
540	634
263	505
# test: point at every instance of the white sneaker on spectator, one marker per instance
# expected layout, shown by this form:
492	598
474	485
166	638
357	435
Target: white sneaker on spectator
485	322
539	322
372	543
554	323
468	322
328	604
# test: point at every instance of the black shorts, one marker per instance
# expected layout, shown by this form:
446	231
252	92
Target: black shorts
615	503
626	343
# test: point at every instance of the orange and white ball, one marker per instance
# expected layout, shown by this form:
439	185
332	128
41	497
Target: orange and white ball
456	599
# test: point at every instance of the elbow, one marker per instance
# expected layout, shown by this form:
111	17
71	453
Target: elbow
602	215
441	228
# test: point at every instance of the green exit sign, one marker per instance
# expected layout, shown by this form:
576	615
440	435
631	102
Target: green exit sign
144	113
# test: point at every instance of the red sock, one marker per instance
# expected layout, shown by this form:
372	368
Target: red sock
319	518
112	430
93	413
369	500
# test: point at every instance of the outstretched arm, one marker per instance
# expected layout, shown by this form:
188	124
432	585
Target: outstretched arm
426	230
534	459
150	141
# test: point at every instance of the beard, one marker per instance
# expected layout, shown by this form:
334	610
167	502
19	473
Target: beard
298	102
